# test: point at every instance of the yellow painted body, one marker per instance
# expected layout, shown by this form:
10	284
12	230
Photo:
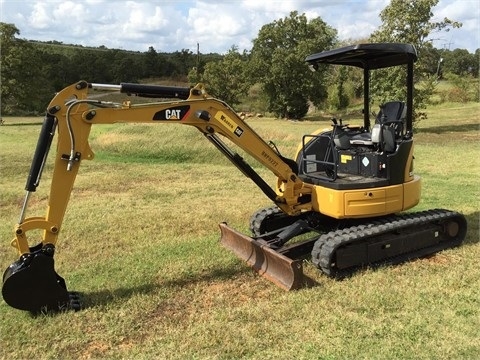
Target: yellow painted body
363	203
368	202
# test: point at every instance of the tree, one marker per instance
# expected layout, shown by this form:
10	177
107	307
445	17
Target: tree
408	21
460	62
152	63
226	78
10	64
25	84
182	61
338	96
278	63
124	68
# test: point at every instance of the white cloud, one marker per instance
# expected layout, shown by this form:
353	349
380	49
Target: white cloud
353	31
454	10
143	17
39	18
270	8
216	25
468	13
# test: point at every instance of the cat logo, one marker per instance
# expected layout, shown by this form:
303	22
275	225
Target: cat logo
238	131
173	113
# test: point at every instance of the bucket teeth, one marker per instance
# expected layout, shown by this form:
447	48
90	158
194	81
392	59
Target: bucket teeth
285	272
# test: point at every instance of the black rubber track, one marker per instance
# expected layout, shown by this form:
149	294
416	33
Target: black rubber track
325	248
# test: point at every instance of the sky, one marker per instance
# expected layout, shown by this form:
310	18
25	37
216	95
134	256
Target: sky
216	26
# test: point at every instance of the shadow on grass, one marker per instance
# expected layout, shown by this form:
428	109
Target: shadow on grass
473	228
105	297
449	128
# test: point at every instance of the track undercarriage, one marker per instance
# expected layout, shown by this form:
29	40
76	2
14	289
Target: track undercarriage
340	247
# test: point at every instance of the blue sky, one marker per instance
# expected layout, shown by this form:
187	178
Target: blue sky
216	26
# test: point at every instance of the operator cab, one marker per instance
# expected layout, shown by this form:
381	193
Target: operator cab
364	156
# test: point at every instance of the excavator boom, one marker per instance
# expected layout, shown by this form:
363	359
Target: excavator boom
31	283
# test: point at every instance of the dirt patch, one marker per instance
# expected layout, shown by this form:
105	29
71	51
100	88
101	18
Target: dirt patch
202	297
438	259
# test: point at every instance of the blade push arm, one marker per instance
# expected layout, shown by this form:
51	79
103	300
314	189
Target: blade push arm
75	113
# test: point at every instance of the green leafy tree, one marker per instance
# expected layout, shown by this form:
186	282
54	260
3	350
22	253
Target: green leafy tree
25	86
194	76
182	62
10	64
278	63
338	97
225	78
124	68
152	63
408	21
460	62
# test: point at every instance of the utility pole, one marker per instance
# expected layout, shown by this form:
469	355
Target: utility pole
198	56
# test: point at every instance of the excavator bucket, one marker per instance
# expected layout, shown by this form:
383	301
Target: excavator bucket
32	284
285	272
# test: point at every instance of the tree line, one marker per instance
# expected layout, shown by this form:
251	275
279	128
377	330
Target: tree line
32	71
273	72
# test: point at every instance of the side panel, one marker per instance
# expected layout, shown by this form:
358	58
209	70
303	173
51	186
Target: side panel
361	203
411	193
358	203
394	199
328	201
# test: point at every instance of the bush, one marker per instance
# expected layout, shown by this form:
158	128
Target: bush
463	89
455	94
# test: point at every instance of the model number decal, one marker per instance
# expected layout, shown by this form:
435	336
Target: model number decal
269	159
173	113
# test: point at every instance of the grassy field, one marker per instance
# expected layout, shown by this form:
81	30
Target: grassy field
140	242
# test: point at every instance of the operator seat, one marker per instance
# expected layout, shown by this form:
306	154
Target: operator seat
388	127
383	136
393	113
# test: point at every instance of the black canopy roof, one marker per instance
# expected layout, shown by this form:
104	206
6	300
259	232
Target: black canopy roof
367	56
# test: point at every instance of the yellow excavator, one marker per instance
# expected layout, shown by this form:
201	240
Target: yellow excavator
340	202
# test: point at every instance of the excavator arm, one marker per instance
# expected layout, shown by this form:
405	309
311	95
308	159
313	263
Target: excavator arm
31	282
73	114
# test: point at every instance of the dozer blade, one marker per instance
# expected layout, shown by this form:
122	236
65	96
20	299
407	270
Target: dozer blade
32	284
285	272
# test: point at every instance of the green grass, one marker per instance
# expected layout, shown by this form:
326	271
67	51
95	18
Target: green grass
140	242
